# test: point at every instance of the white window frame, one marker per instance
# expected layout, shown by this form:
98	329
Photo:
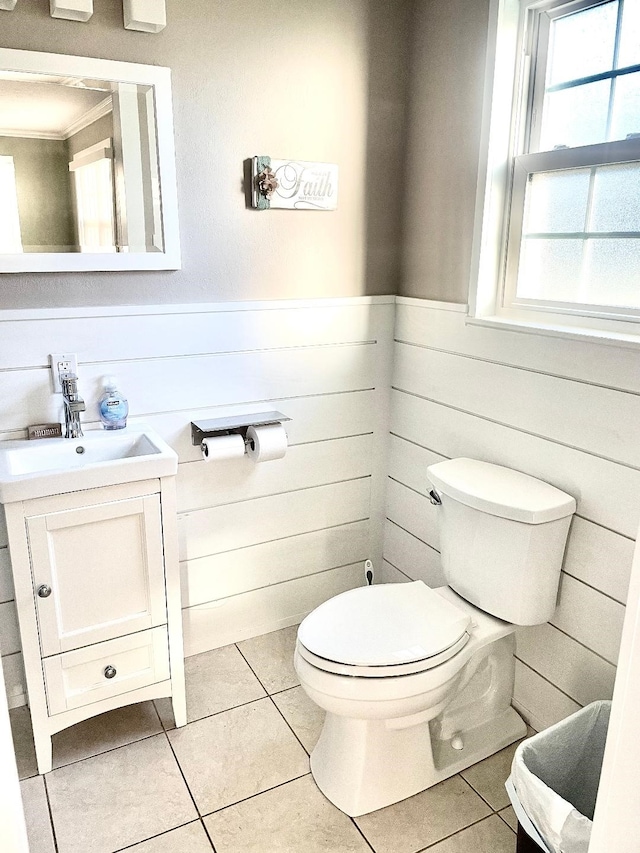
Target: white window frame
502	169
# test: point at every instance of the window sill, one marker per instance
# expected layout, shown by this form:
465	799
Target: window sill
606	337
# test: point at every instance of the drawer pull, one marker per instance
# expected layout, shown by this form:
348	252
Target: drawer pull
110	672
44	591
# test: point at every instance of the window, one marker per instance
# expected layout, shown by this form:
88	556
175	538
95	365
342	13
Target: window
93	184
10	237
570	226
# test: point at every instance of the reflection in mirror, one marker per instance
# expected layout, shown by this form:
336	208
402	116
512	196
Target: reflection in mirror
68	140
86	165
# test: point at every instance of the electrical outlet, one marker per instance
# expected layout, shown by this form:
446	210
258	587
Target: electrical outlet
62	362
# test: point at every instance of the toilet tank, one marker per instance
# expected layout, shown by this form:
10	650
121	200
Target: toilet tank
502	537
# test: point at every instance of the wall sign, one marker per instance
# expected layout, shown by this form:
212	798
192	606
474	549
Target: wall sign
293	184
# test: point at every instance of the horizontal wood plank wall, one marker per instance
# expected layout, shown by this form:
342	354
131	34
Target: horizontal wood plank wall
260	545
563	411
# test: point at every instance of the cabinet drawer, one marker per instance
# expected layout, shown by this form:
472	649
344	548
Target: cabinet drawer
106	669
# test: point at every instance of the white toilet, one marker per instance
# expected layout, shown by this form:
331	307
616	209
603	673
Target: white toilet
417	682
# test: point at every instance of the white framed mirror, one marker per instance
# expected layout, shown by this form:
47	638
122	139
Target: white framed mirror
87	165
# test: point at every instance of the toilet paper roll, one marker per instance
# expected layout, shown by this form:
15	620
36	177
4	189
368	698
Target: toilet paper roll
266	442
222	447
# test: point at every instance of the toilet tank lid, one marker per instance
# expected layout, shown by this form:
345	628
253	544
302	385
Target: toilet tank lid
500	491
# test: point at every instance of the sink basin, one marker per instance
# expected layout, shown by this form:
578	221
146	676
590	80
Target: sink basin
52	466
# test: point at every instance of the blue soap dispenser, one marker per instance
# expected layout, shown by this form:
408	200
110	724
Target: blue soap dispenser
114	407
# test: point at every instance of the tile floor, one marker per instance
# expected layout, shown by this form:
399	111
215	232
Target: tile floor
236	778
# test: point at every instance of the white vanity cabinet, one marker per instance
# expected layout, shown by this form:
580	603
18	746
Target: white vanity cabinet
98	598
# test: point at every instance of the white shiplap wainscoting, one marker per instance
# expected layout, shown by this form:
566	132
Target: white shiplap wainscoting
260	545
561	410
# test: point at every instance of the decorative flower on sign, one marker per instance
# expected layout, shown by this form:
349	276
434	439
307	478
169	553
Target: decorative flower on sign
267	182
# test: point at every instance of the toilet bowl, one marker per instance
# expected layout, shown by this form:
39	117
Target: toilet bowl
393	729
417	682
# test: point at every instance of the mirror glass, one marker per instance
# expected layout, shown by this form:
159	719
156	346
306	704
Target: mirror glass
87	178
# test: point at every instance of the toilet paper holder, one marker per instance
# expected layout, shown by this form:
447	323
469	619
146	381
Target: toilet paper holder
235	423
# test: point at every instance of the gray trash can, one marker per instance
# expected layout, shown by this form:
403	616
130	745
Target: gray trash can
554	782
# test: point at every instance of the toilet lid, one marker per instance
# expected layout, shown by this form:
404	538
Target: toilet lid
383	625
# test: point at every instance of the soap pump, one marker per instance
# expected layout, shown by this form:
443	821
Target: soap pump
114	407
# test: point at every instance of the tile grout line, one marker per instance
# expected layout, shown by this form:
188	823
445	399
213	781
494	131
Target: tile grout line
457	832
157	835
184	778
51	823
258	794
271	695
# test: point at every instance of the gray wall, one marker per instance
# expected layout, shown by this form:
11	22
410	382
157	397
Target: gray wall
44	191
446	69
312	79
91	135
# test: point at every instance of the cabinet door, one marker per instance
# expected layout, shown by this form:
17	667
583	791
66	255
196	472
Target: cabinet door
104	567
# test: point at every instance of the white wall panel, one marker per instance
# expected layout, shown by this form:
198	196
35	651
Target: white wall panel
203	484
238	571
198	330
9	632
539	701
600	558
414	512
592	618
576	414
412	556
408	463
192	382
246	523
610	366
577	671
590	479
260	611
14	679
312	419
6	581
390	574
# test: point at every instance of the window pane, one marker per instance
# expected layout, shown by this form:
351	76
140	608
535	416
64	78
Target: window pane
557	201
611	273
626	106
630	38
616	199
582	44
576	116
549	269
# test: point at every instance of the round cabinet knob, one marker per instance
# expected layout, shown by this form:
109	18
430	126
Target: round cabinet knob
44	591
110	672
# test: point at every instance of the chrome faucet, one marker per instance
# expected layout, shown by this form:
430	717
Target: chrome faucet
73	405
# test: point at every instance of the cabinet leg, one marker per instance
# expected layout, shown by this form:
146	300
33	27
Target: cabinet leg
179	703
44	756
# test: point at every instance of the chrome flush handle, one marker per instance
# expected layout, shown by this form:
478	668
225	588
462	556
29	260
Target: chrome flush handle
435	498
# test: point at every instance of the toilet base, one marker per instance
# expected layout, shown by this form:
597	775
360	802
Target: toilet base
363	765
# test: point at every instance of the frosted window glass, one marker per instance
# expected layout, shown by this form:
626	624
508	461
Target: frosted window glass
612	273
582	44
615	204
630	38
557	201
549	269
626	106
576	116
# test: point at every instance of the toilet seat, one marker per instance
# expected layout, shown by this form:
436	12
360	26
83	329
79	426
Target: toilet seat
384	630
